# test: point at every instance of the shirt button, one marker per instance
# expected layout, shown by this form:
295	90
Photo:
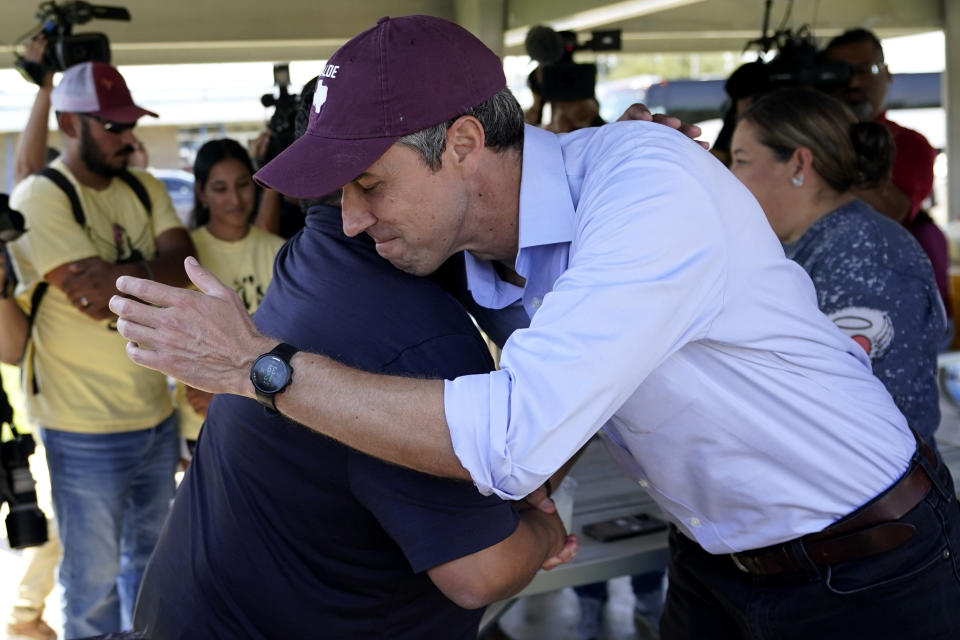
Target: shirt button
643	483
694	522
536	302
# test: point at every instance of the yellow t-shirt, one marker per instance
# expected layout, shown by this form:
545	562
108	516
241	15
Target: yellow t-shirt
86	382
247	266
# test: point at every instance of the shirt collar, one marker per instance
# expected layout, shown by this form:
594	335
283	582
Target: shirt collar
546	218
546	207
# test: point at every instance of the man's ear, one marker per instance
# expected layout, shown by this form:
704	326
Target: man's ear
69	124
465	142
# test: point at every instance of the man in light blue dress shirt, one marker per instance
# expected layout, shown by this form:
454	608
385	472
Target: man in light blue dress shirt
661	310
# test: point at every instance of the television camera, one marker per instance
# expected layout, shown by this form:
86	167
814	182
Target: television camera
64	47
561	78
283	122
797	62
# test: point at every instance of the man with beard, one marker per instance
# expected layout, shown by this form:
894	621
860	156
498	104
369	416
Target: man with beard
107	425
911	179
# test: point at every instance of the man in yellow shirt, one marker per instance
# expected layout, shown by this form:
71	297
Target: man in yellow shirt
110	438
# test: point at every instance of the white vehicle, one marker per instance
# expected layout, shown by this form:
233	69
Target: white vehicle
179	185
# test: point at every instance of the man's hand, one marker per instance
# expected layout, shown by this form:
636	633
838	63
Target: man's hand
258	148
34	53
541	507
565	546
888	199
88	284
569	551
199	400
638	111
540	499
204	338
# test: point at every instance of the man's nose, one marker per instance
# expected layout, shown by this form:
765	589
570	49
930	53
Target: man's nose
127	138
355	214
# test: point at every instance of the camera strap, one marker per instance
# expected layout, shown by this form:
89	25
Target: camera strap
67	187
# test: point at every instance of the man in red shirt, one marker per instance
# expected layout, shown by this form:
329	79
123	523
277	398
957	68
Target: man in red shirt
911	180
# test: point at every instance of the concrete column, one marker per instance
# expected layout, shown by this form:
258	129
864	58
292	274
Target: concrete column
485	19
951	103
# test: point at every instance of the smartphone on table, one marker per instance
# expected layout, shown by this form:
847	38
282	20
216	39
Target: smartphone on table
624	527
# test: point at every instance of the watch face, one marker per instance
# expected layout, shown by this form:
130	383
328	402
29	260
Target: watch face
270	373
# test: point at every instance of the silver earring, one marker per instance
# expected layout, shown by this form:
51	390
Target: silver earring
797	180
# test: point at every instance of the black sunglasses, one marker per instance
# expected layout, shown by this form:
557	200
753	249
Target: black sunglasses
109	125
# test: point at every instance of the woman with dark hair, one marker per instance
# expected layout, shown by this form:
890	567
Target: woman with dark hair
227	244
801	153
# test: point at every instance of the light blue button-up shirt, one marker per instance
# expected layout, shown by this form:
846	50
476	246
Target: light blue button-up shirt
663	310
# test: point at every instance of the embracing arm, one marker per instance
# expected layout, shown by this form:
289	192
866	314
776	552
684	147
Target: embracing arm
505	568
394	418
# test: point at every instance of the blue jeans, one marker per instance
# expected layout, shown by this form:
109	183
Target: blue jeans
111	494
912	591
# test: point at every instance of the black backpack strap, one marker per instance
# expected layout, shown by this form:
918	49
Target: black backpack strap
138	189
67	187
35	299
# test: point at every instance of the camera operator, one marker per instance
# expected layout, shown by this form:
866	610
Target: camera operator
108	429
276	214
31	150
40	562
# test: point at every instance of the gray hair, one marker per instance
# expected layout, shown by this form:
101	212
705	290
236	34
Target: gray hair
502	120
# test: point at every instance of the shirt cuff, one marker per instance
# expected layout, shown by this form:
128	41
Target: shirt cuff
477	412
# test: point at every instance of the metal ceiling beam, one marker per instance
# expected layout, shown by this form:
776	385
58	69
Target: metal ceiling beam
175	31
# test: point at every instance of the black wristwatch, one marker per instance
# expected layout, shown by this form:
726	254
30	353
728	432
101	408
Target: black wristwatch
271	373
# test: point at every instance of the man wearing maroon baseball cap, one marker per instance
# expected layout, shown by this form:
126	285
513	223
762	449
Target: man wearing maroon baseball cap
648	299
108	429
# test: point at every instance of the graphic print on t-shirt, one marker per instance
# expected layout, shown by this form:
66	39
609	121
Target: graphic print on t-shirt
870	328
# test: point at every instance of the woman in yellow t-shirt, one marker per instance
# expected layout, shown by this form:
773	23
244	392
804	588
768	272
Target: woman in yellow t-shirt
238	253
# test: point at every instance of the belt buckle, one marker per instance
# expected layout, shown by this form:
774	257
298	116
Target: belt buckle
739	565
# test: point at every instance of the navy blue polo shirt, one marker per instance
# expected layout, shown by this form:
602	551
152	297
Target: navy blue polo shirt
279	532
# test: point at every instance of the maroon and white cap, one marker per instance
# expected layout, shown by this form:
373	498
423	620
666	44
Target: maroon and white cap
401	76
97	88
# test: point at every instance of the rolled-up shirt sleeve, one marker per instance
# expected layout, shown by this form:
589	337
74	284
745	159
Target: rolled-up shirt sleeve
645	276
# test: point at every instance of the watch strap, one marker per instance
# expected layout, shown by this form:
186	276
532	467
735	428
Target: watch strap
285	351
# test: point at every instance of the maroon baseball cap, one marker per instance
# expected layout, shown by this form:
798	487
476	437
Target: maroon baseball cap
403	75
97	88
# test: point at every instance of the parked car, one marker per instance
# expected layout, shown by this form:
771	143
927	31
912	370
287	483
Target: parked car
179	185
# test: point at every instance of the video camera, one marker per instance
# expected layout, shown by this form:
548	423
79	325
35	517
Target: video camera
798	62
561	77
283	122
65	48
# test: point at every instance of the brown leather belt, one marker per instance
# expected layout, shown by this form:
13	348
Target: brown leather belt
868	531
